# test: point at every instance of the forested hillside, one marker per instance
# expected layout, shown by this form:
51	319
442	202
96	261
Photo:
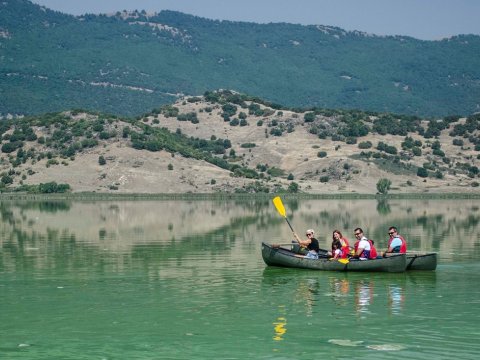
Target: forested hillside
127	64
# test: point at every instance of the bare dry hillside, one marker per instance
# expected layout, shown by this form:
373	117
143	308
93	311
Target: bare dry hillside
280	147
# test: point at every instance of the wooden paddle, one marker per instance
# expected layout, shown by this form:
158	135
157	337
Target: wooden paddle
277	201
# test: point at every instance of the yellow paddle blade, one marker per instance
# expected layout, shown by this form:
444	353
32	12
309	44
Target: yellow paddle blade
277	201
343	261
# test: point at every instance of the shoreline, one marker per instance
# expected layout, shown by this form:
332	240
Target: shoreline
233	196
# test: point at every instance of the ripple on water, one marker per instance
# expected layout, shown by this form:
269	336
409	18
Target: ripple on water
345	342
386	347
380	347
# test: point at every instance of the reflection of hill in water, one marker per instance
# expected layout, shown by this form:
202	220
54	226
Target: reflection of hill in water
429	225
100	233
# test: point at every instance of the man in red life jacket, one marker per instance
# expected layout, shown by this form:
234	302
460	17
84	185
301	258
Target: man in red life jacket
396	243
364	248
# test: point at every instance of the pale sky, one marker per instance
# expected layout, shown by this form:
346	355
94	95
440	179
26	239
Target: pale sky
422	19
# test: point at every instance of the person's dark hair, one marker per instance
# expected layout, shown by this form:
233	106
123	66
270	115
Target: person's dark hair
339	233
337	244
393	228
358	229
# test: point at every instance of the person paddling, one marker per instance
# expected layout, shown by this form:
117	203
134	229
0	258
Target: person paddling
310	243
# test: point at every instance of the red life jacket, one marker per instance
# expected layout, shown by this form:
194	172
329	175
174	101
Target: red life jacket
373	250
345	242
403	247
355	246
345	248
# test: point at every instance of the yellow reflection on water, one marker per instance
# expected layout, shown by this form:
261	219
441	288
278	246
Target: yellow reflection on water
279	328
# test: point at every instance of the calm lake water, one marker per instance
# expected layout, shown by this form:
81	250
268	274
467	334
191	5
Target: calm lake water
185	280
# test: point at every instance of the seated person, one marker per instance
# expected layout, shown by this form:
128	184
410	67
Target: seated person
364	248
396	243
345	246
337	250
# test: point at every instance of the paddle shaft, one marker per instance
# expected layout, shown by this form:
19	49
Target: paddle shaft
288	222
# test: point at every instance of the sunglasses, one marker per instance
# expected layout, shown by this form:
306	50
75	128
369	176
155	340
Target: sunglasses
357	233
391	233
309	234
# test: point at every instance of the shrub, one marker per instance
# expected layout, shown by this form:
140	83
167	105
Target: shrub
53	187
275	172
416	151
11	147
229	109
293	187
276	131
170	167
290	176
309	117
248	145
422	172
101	160
383	186
51	162
169	111
324	179
322	154
365	145
389	149
438	152
6	179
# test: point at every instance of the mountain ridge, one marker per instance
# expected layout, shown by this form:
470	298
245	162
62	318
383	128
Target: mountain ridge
128	65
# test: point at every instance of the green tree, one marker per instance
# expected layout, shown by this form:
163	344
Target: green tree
101	160
293	187
309	117
7	179
383	186
422	172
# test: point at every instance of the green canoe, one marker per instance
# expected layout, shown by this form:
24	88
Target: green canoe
415	261
278	256
421	261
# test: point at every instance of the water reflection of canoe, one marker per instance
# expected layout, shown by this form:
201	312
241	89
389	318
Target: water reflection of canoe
277	256
421	261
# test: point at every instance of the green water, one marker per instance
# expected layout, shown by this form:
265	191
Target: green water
185	280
